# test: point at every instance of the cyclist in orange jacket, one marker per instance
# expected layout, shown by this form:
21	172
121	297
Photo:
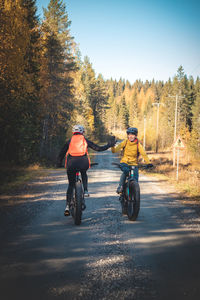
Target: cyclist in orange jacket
76	156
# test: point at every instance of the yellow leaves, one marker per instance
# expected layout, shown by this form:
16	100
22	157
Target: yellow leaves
14	40
8	4
12	4
90	118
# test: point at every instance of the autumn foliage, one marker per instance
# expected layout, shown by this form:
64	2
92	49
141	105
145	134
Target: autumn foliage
46	87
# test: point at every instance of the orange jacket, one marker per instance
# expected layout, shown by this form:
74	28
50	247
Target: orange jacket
78	147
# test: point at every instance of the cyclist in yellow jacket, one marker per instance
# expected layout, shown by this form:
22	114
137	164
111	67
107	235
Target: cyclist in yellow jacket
131	150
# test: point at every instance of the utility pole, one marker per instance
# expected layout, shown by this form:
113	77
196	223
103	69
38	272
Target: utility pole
175	125
144	140
157	126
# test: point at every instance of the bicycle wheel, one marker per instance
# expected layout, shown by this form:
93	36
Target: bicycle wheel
123	205
133	201
78	203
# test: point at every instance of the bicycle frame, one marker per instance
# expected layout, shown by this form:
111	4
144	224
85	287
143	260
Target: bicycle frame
129	178
78	177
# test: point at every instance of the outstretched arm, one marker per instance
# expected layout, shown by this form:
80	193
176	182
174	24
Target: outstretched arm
119	147
96	147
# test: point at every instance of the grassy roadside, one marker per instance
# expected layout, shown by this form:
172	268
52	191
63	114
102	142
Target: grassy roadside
188	183
13	177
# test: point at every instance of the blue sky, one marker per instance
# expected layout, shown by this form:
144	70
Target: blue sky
136	39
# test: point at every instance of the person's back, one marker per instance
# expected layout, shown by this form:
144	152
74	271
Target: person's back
78	145
77	159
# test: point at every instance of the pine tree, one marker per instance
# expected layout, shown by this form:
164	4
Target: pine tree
191	98
18	80
133	111
102	100
123	117
57	65
181	88
120	87
195	143
90	92
95	99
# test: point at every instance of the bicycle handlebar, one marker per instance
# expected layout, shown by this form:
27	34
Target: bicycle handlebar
93	164
145	166
116	164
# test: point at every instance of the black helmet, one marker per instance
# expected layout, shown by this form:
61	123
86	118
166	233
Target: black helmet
132	130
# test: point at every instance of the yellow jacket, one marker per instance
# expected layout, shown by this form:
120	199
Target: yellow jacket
130	152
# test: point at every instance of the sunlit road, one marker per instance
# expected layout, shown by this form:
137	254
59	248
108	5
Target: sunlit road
43	255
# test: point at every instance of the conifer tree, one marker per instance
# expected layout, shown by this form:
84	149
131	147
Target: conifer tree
120	87
95	99
195	145
102	99
180	88
133	111
123	117
90	92
18	80
191	98
57	65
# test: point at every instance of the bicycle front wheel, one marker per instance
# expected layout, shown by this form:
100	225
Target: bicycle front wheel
133	205
78	203
123	205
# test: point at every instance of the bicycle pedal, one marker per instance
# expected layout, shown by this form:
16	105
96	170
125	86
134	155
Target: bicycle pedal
66	213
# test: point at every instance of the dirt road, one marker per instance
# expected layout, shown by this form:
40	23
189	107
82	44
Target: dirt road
43	255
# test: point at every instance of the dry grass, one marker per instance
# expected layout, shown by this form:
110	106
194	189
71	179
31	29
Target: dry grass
12	177
188	182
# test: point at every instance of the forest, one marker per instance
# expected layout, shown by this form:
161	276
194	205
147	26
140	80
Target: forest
46	87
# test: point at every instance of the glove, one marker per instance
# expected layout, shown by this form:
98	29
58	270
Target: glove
149	166
112	141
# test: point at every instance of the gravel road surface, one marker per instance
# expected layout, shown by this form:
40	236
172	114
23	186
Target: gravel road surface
43	255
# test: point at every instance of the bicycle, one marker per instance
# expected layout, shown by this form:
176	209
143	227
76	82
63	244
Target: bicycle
130	195
77	203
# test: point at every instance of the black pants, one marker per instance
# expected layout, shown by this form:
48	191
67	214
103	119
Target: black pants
74	164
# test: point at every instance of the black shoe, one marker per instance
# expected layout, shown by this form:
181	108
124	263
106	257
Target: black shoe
119	189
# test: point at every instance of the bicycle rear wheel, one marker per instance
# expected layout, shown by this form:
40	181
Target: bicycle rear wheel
78	203
133	205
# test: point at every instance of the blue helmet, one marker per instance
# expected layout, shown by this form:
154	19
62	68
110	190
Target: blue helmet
132	130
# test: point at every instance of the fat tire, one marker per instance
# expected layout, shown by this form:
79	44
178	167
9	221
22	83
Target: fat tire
133	206
123	205
78	203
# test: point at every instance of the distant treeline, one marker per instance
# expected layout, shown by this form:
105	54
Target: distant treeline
151	106
45	88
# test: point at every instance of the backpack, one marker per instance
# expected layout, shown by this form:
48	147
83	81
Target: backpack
77	147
